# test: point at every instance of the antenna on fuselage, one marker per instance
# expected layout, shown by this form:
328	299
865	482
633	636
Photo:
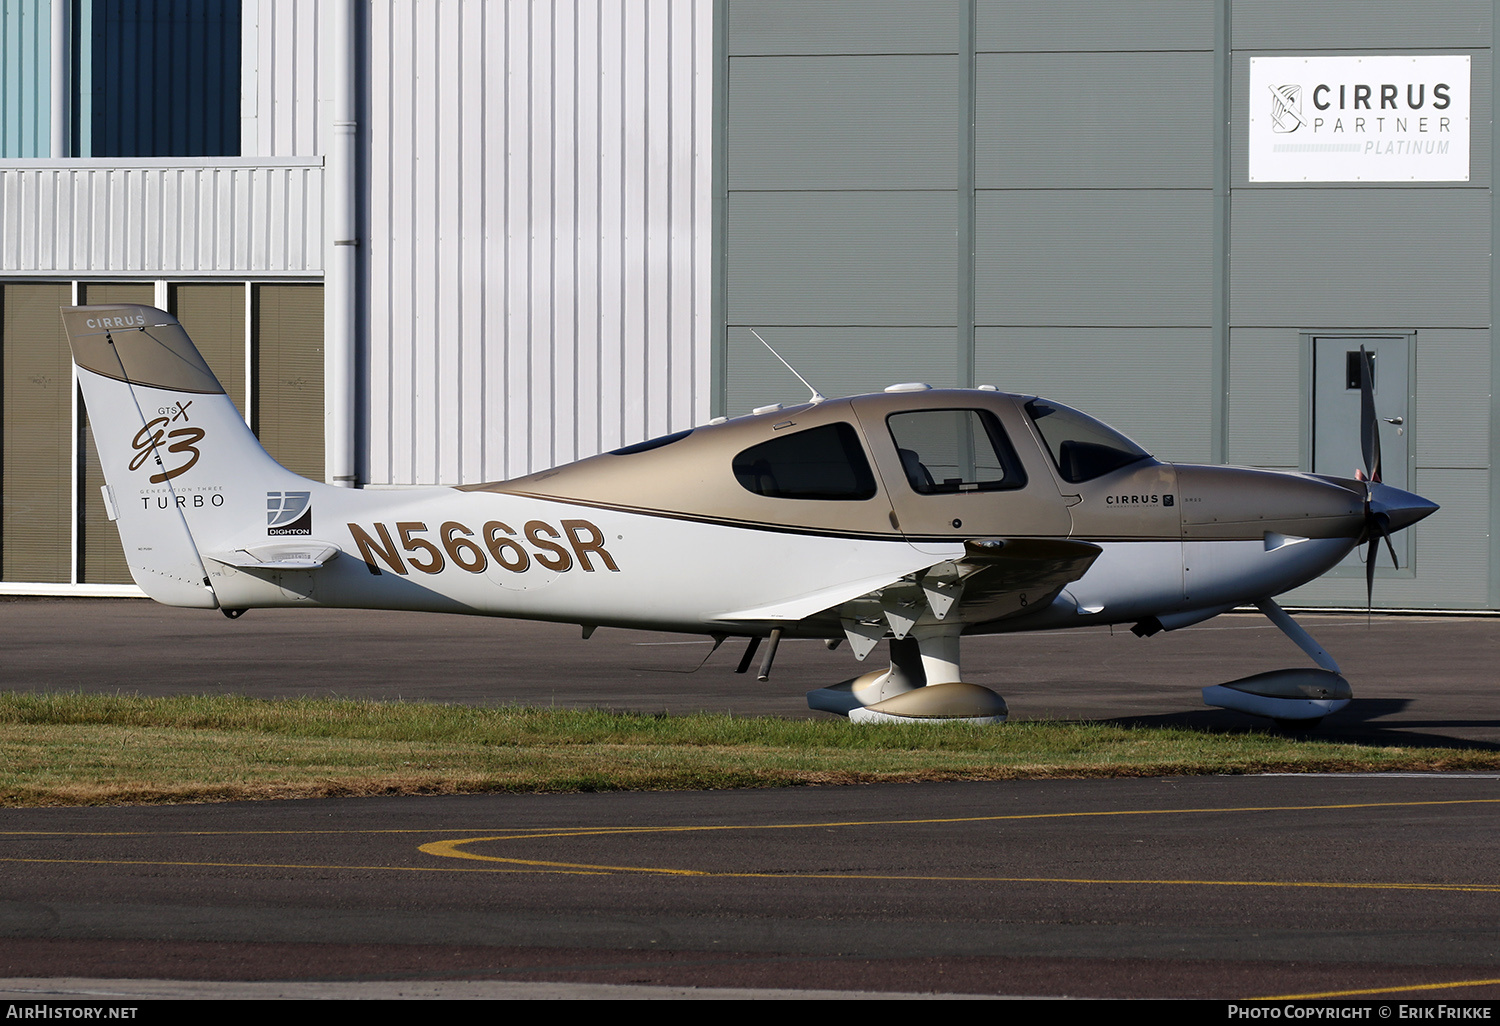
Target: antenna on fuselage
817	396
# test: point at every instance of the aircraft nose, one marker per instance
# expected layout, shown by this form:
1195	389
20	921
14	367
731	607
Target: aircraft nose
1401	508
1221	502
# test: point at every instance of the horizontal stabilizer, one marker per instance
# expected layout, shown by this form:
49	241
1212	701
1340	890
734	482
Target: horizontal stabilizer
304	556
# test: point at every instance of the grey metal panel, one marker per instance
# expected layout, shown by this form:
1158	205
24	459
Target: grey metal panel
1450	424
1265	398
1154	384
839	361
1481	128
101	557
873	122
843	26
1110	120
1360	258
1449	552
289	402
842	258
1360	24
1134	257
36	430
213	315
1016	25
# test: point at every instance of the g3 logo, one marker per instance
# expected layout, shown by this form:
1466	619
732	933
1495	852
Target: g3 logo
148	438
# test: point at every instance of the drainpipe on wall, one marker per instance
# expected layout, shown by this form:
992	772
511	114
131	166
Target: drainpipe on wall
62	77
341	259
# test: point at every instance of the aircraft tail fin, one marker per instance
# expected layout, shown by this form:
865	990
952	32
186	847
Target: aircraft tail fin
184	475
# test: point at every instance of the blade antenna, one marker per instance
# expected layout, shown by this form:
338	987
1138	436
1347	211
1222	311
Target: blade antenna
817	396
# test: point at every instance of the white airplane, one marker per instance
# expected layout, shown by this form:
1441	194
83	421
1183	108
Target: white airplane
916	515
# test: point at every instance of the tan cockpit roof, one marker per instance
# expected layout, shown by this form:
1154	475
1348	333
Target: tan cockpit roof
694	476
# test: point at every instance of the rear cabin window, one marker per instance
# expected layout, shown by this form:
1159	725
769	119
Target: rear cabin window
820	463
948	451
651	443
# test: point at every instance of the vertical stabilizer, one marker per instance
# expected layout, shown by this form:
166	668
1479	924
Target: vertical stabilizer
179	462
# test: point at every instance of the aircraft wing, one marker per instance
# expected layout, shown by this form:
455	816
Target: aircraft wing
994	579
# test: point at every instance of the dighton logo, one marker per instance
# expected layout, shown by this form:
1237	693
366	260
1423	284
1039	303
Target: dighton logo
288	513
148	440
1286	108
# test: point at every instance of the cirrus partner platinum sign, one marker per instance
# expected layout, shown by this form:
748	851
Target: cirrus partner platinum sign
1359	119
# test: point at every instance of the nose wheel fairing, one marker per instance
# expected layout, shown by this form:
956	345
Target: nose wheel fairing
1295	698
1298	698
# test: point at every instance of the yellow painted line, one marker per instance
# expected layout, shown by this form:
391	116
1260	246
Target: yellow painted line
236	833
451	849
157	863
1454	985
598	831
519	833
575	869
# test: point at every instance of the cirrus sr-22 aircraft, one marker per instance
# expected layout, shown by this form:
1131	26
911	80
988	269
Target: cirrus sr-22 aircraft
913	516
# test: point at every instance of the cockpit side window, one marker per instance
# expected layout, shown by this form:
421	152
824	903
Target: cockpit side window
1082	447
948	451
820	463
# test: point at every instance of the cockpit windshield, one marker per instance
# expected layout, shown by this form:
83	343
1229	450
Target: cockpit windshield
1082	447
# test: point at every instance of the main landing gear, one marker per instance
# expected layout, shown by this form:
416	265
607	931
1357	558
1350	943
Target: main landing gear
921	685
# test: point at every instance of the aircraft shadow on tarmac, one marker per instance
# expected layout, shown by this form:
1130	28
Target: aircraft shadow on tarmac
1356	724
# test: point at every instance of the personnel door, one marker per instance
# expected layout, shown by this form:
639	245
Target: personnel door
1336	449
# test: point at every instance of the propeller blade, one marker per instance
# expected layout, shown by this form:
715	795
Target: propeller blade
1370	554
1390	545
1369	427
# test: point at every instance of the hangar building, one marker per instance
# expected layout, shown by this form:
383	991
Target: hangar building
457	241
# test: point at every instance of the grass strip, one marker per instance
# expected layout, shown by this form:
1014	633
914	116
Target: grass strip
76	749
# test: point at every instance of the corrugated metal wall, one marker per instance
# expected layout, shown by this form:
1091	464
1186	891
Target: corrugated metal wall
25	67
539	245
283	82
164	78
103	216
